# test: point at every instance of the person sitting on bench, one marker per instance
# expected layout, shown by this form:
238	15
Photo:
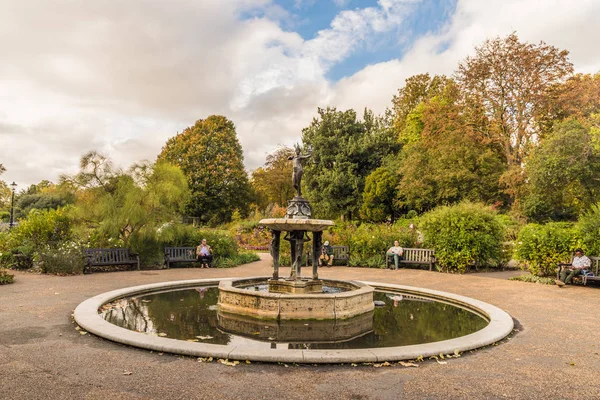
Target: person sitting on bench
204	254
579	265
326	254
395	251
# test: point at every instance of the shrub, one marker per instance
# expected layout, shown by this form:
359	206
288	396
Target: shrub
42	229
541	247
64	260
588	229
463	235
369	242
5	277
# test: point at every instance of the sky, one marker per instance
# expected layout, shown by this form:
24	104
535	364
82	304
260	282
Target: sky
121	77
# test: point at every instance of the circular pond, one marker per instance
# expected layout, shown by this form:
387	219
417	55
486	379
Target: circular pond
182	317
191	315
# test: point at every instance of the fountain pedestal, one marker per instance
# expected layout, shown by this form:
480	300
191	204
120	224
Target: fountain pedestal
296	286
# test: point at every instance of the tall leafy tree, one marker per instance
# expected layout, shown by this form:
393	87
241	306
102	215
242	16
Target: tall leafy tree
407	105
506	83
563	174
273	183
449	163
210	155
578	97
123	205
344	151
379	196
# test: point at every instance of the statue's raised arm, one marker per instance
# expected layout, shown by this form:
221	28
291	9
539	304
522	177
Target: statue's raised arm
297	169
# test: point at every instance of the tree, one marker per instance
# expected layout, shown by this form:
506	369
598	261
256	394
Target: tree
210	155
273	182
506	84
119	205
407	105
379	196
43	196
344	152
449	163
563	174
578	97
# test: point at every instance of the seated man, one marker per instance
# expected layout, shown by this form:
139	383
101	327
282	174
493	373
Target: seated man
326	254
579	265
204	254
396	252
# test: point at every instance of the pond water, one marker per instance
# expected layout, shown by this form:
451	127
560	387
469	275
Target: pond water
191	314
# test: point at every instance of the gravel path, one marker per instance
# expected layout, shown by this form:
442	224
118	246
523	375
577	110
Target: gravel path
555	355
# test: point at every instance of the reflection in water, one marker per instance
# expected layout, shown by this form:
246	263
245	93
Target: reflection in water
191	314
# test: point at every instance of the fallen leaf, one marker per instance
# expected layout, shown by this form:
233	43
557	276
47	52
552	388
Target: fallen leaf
248	362
441	362
441	356
204	337
456	353
192	340
162	334
572	364
408	364
354	365
127	372
77	328
420	358
83	333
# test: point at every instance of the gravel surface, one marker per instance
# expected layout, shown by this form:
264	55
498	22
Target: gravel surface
554	355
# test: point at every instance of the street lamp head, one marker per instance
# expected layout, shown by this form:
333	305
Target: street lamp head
13	186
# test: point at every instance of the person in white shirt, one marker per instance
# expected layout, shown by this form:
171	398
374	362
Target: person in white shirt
579	264
395	251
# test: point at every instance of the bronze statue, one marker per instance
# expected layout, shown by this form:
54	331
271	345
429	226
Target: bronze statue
297	172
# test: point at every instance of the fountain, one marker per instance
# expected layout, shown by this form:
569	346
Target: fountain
296	297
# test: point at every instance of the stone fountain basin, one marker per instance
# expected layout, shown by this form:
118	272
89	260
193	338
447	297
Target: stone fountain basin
291	224
357	300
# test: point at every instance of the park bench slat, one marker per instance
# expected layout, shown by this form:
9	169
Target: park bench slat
179	254
415	256
106	257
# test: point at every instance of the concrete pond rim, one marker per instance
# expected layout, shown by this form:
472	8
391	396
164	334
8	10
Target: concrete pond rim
500	325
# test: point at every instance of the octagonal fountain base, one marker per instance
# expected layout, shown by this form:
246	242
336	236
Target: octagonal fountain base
239	297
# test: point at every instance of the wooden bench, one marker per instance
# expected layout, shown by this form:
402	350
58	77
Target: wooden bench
414	256
106	257
339	253
594	268
180	255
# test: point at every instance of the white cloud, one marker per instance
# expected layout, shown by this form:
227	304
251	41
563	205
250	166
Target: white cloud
122	77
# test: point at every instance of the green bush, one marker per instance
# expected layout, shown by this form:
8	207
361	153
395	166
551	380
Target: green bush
369	242
463	235
64	260
541	247
5	277
40	230
588	230
534	279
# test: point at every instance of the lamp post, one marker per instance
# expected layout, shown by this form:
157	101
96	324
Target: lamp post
12	205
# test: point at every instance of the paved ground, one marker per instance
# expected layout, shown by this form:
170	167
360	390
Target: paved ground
42	356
